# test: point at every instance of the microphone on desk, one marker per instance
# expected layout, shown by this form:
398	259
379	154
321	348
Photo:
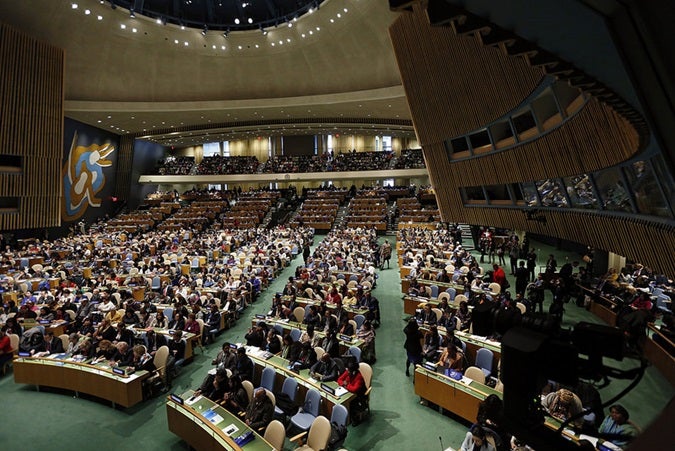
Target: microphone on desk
441	440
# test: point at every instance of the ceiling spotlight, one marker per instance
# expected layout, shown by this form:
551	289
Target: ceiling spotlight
132	14
225	33
250	20
263	31
205	30
236	20
73	5
290	24
87	12
123	27
99	17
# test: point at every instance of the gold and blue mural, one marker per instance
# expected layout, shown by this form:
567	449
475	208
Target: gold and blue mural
84	174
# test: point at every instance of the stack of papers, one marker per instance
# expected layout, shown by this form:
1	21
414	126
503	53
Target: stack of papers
212	416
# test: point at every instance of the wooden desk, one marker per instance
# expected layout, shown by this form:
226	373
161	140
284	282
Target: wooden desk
96	380
601	306
188	423
351	312
442	286
305	383
457	397
288	325
473	344
658	355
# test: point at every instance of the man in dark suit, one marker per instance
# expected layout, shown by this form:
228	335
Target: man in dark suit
154	341
325	369
53	345
244	367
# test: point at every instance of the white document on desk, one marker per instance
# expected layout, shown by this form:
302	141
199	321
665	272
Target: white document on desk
341	391
193	399
231	429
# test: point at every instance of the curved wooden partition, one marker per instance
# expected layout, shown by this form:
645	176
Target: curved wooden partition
450	96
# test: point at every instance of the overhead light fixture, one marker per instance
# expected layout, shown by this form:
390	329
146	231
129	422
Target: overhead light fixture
132	14
73	5
205	30
225	33
236	20
263	31
250	20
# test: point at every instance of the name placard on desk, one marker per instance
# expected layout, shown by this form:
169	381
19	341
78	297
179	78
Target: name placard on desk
177	399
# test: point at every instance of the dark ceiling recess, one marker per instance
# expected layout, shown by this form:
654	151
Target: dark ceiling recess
221	15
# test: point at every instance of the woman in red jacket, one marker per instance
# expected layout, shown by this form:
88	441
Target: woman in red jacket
352	379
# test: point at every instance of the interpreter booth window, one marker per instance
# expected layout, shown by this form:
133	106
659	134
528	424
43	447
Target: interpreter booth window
386	144
648	197
529	191
212	149
613	190
551	193
665	179
498	195
473	195
388	183
580	191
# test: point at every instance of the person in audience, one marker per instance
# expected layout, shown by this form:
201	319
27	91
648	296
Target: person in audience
273	344
491	417
245	367
178	322
212	324
427	315
177	349
255	336
452	358
412	345
312	317
160	320
123	356
142	360
325	369
53	345
306	358
6	351
352	379
476	440
310	336
432	343
367	335
260	412
235	398
191	325
289	348
346	328
130	318
330	344
227	357
564	404
154	341
328	322
123	334
617	428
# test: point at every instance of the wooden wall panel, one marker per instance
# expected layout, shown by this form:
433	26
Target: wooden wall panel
449	97
454	82
31	108
125	159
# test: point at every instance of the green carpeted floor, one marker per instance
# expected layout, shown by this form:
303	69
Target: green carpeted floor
56	420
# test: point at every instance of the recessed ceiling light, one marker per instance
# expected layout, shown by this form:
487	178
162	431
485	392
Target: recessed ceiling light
73	5
134	30
123	27
87	12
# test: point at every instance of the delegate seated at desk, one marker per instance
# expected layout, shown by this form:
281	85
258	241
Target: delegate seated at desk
352	379
244	368
261	410
325	369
